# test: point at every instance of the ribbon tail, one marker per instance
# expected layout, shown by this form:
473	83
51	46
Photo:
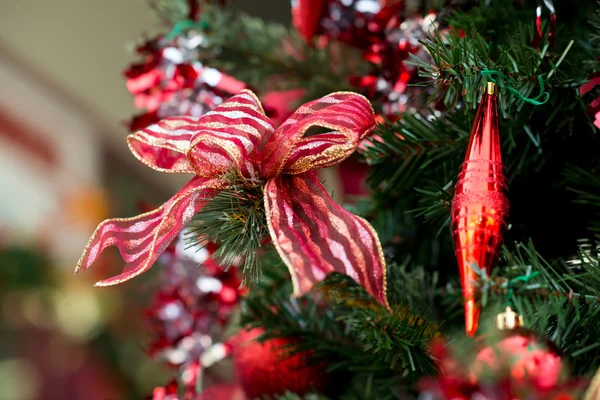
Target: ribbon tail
316	236
142	239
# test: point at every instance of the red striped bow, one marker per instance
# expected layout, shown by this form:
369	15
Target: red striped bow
313	235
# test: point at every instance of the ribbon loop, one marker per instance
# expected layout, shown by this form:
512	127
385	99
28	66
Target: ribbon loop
349	115
163	146
230	135
206	146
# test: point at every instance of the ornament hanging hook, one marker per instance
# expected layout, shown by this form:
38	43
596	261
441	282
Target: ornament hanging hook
184	25
512	282
542	98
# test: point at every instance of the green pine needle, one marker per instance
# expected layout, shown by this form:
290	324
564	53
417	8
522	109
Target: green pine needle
234	220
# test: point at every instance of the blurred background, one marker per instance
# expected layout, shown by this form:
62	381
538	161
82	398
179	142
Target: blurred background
64	167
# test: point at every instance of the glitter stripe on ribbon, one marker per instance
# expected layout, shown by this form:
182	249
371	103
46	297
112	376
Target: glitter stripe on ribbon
348	114
229	136
206	146
162	146
142	239
318	152
315	236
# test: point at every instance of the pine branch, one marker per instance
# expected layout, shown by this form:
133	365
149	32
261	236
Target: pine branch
340	323
562	301
234	220
171	11
586	186
456	72
415	148
595	23
492	18
271	56
435	203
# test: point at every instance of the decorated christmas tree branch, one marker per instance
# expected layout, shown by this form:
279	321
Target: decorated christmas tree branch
274	53
493	19
419	147
586	186
461	68
340	323
263	54
235	219
558	298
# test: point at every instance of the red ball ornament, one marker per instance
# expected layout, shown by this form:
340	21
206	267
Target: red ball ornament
480	205
270	368
525	356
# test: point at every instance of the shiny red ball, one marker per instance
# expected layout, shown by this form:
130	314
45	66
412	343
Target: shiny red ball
523	355
269	368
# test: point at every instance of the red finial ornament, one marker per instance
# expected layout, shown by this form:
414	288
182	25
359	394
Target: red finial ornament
480	205
194	9
306	15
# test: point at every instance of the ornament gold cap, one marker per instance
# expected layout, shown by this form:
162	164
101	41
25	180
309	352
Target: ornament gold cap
593	390
509	319
491	88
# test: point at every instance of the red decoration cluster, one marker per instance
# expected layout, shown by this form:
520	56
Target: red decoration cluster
221	391
192	304
518	367
525	357
169	81
272	368
382	31
266	369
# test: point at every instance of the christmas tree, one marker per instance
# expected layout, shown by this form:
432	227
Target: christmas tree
388	200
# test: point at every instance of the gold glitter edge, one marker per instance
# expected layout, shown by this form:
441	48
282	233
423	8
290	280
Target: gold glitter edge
89	242
344	131
381	258
284	258
141	159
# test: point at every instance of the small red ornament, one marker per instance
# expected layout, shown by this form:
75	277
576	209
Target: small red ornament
168	392
593	390
524	355
306	17
480	206
269	368
519	365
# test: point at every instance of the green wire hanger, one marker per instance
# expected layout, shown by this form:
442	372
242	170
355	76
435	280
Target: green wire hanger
512	282
185	25
542	98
